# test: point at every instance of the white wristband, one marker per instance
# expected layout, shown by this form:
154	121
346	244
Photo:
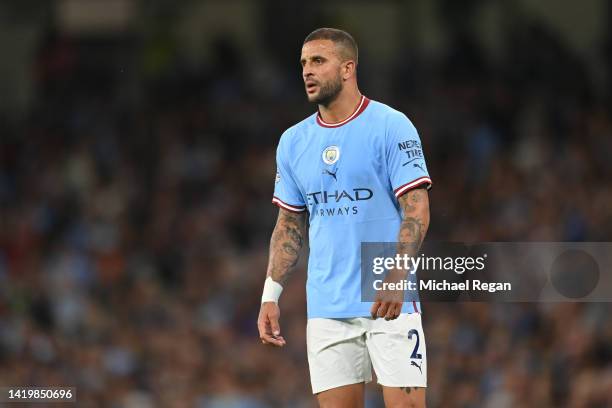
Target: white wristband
272	291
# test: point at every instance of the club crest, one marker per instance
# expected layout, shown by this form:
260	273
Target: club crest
331	154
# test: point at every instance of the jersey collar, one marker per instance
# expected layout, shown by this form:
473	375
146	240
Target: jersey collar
363	103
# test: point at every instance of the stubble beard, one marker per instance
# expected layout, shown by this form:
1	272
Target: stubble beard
328	92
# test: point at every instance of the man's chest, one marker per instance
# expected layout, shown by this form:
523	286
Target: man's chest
340	166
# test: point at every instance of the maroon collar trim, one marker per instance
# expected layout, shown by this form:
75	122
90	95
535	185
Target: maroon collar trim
360	108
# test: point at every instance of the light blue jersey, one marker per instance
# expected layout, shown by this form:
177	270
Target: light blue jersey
348	177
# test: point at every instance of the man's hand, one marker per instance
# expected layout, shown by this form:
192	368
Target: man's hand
388	303
267	322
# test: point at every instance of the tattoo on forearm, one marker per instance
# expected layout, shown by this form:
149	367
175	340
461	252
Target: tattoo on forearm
285	244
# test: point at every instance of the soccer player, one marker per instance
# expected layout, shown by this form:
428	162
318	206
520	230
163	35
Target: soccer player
354	172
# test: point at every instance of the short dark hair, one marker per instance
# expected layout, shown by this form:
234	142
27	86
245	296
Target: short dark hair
343	41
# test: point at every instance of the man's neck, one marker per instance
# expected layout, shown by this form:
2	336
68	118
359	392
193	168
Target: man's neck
342	107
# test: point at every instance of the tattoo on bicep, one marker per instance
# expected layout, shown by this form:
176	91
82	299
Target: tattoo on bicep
410	200
415	220
407	390
285	244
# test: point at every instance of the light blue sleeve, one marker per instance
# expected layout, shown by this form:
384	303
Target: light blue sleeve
286	191
405	157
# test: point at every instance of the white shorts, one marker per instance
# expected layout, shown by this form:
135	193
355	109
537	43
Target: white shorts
342	351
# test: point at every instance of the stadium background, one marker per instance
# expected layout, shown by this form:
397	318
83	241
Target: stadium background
137	148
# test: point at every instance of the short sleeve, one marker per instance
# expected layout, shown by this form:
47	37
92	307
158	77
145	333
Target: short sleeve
405	157
286	192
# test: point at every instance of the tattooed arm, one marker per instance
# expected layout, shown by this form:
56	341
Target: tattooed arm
285	246
415	222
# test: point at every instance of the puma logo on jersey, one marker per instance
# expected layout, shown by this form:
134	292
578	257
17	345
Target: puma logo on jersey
413	363
331	174
419	166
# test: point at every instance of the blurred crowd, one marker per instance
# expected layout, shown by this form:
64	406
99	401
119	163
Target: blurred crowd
136	216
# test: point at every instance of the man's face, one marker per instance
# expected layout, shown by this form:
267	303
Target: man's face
321	68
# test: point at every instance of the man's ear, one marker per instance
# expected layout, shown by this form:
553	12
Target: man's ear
348	69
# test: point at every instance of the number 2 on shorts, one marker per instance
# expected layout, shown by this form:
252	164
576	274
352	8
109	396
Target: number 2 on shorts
416	344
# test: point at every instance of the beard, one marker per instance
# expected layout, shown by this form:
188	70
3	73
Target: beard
328	91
